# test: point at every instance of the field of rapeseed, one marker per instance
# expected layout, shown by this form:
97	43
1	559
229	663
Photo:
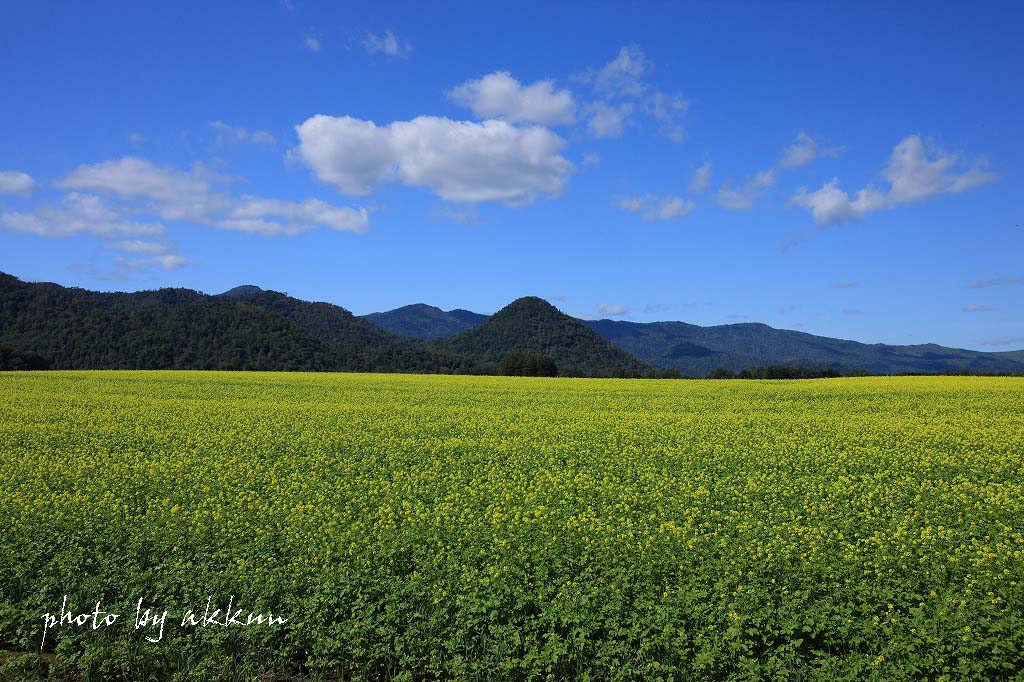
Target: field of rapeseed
510	528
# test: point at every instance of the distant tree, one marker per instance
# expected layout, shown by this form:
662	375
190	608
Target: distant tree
15	359
721	373
664	374
519	364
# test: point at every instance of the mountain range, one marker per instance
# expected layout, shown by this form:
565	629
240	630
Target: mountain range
697	351
251	328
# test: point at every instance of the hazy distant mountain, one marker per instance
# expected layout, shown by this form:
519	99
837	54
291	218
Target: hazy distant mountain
1016	355
423	321
533	325
696	351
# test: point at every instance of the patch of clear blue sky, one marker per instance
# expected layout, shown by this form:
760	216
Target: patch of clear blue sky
79	78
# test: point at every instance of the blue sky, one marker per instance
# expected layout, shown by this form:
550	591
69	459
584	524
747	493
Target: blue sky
848	171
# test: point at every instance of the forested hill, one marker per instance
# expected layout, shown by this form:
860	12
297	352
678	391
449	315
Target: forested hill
249	328
533	325
423	321
183	329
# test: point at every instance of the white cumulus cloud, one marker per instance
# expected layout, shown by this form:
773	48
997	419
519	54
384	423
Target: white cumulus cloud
458	161
18	183
499	95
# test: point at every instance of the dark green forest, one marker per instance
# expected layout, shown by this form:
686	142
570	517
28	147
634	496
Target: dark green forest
44	325
248	328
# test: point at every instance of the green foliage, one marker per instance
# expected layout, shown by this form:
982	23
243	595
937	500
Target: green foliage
245	329
14	359
248	328
527	365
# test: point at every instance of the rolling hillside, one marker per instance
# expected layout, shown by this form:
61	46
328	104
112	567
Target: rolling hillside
183	329
533	325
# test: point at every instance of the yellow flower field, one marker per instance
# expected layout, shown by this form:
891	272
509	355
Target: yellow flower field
515	528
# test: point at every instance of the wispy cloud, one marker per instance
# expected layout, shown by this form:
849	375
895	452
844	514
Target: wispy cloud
995	282
466	214
803	151
658	208
795	240
623	87
227	134
148	254
623	76
975	308
700	180
915	172
845	284
607	120
743	197
668	111
78	213
613	309
192	196
388	44
1003	341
